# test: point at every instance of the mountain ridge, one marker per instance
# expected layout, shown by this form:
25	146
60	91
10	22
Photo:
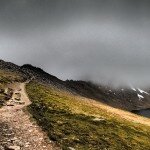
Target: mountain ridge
123	98
69	119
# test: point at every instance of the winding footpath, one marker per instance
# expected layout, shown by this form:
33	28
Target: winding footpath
17	130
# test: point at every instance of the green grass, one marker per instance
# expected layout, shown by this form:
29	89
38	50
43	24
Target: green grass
69	122
9	77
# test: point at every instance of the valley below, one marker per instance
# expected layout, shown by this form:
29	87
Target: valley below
143	112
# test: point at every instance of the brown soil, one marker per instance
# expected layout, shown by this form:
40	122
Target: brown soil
17	130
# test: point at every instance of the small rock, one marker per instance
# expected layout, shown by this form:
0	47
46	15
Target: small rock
10	104
20	143
98	119
21	103
17	93
8	134
2	148
27	145
71	148
13	148
14	139
30	130
18	99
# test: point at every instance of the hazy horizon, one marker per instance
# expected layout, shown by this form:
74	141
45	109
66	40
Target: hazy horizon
100	40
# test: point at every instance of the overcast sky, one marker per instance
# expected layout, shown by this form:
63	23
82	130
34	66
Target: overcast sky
105	41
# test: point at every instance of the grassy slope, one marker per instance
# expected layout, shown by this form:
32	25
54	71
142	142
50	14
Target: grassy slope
7	77
69	120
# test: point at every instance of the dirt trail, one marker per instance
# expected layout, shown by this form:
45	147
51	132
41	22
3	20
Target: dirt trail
17	131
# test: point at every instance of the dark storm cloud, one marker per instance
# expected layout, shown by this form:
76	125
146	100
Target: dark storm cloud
105	41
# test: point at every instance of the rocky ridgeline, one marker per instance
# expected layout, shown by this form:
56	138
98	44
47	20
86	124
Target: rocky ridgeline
124	98
40	75
9	66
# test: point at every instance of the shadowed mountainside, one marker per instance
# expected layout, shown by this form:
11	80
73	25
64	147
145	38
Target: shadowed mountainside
124	98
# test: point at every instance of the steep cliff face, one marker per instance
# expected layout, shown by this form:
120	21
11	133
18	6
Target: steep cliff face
124	98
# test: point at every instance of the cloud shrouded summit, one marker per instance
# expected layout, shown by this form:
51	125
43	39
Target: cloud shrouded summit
101	40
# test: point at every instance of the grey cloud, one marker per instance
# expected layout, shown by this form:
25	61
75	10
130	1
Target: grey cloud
101	40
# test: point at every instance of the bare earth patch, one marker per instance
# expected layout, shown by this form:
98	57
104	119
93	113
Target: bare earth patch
17	131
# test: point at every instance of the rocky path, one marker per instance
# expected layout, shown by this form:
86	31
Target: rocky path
17	131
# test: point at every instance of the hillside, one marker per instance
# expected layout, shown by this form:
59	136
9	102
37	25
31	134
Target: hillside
74	115
17	131
7	77
127	98
79	123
